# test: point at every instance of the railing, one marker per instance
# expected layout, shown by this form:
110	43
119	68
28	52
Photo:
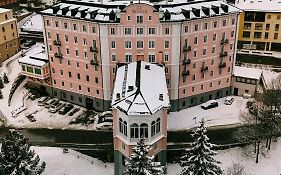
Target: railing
58	55
186	48
224	41
222	65
223	54
186	61
57	42
94	62
185	73
204	69
94	49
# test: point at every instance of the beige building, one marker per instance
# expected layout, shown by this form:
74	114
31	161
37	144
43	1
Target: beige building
9	38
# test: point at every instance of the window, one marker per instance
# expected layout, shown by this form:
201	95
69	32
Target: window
194	66
278	17
65	25
151	44
205	38
78	76
47	21
69	74
128	44
247	26
37	71
112	31
125	128
205	26
193	77
195	53
153	127
149	18
139	31
75	40
202	87
151	58
196	27
151	31
61	72
121	127
76	53
139	19
257	34
195	40
144	130
192	89
93	29
113	44
129	18
246	34
158	125
128	31
186	29
275	35
87	78
224	23
49	35
74	26
128	58
134	128
213	49
211	84
66	38
56	23
167	44
62	83
258	26
167	31
84	28
166	57
215	24
232	34
204	52
67	51
12	26
266	35
84	41
276	27
214	37
212	73
113	57
139	44
267	26
79	87
232	21
268	16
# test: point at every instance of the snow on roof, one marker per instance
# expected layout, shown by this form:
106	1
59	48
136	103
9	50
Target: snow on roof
35	23
38	59
140	89
2	10
259	5
268	76
247	72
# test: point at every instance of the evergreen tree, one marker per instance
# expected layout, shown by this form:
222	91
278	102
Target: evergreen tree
1	95
140	163
198	160
1	83
6	80
16	158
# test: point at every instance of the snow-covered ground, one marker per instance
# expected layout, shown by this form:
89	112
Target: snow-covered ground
221	115
59	163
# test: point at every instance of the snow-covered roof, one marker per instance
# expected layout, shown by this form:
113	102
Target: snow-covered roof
140	89
35	23
176	10
38	59
259	5
268	76
2	10
247	72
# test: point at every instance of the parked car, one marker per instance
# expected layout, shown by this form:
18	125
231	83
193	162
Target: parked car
105	119
48	103
66	109
228	100
42	100
71	113
31	118
210	104
55	108
105	126
29	43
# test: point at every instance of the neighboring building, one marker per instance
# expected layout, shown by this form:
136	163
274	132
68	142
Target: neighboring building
140	104
49	2
7	2
33	28
195	41
9	38
259	26
245	81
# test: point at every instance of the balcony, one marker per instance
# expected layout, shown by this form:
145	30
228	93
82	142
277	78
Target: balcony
58	55
186	61
222	65
224	41
223	54
94	62
57	42
94	49
186	48
185	73
204	69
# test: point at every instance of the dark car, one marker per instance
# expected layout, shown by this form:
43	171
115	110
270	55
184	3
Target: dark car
71	113
29	43
66	109
31	118
210	104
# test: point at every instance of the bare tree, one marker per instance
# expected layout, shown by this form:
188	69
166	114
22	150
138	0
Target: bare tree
236	169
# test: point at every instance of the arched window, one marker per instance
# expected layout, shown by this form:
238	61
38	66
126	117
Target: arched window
158	125
153	128
144	130
125	128
120	125
134	128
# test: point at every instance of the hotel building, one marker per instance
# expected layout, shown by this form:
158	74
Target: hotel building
87	40
260	25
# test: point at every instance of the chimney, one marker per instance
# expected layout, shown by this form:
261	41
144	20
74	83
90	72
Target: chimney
161	97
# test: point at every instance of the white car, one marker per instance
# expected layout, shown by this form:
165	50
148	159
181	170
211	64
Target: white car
228	100
42	100
105	126
55	108
48	103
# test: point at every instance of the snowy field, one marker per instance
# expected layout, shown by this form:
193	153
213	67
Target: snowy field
59	163
219	116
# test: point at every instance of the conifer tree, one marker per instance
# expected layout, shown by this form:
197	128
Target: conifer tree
16	158
140	163
1	94
198	160
6	80
1	83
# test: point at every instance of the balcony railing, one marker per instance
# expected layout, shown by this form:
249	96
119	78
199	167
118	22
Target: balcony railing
58	55
223	54
186	48
94	49
224	41
222	65
186	61
94	62
57	42
204	69
185	73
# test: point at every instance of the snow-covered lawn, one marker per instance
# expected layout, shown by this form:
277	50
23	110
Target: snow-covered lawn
221	115
59	163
